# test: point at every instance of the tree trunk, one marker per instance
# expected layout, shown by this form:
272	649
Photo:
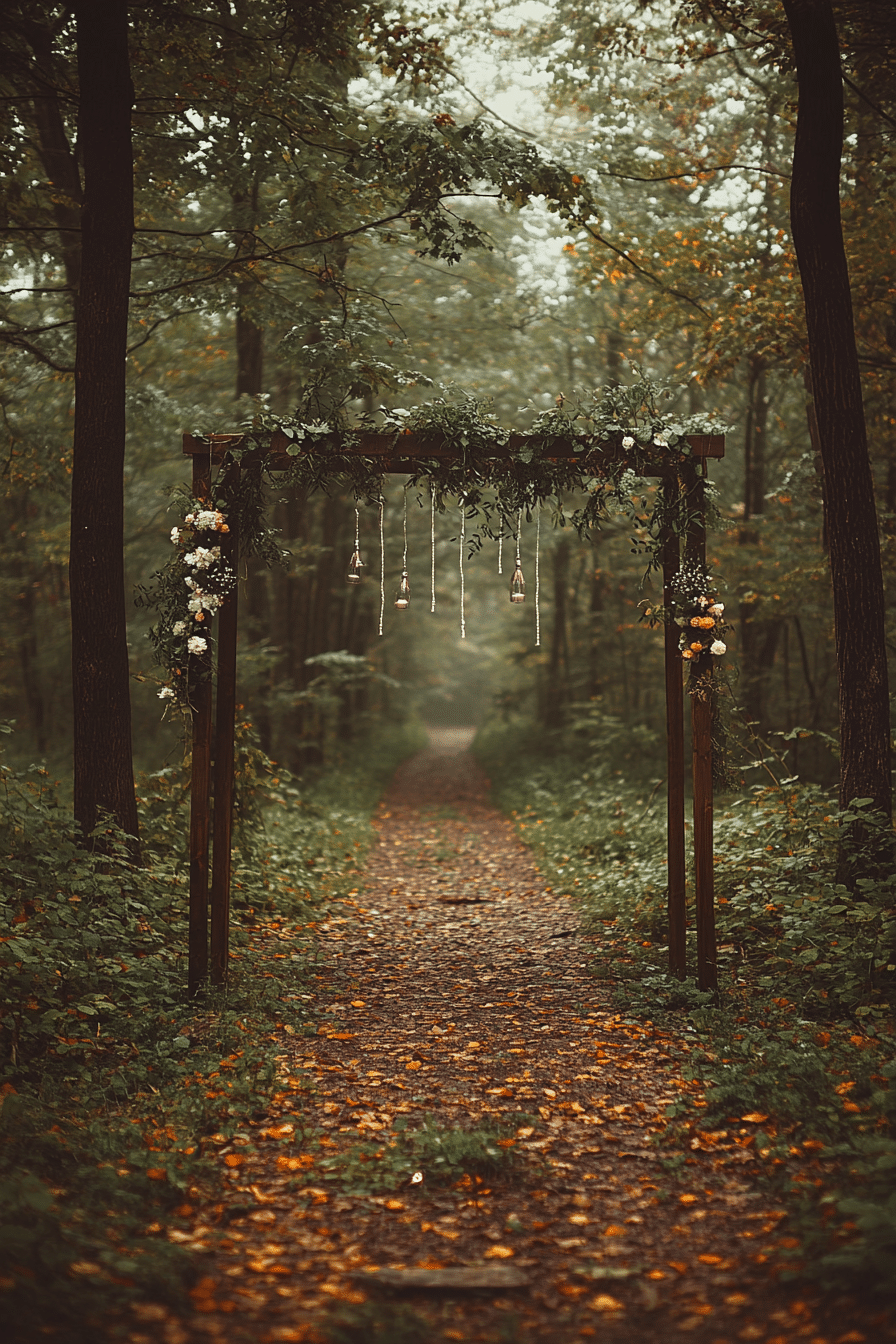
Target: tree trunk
103	775
754	444
848	488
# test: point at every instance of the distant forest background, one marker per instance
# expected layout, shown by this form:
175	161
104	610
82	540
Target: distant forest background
278	265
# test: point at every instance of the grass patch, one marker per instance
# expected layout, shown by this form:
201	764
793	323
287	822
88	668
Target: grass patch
443	1155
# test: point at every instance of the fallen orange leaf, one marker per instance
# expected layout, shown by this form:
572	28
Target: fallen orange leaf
604	1302
157	1174
499	1253
261	1196
234	1160
279	1131
754	1118
204	1287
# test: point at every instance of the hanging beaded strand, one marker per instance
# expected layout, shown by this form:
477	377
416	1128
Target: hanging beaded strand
537	576
463	535
501	550
432	543
382	567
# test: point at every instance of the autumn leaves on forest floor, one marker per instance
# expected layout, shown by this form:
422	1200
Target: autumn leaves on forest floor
473	1102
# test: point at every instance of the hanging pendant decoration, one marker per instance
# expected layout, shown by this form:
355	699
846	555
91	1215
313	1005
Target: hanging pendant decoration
463	537
432	544
538	576
518	583
382	567
403	592
356	564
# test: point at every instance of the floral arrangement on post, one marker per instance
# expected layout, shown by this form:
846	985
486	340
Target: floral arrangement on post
699	612
696	609
191	589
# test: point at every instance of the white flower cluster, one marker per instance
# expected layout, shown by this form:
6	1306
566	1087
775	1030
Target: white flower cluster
202	557
202	604
207	520
628	482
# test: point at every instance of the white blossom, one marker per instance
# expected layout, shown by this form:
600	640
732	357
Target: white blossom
208	520
717	609
166	693
718	647
661	441
196	644
178	627
628	441
203	557
175	535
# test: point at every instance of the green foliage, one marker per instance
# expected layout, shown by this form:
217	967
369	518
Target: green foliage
109	1078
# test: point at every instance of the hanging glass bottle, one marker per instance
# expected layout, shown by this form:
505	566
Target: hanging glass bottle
517	586
356	564
403	591
517	582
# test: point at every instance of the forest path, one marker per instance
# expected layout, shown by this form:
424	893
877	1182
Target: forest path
457	988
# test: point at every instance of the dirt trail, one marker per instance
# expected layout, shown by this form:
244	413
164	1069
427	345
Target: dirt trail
458	987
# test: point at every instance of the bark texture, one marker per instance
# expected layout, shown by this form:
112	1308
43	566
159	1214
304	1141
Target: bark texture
848	488
103	774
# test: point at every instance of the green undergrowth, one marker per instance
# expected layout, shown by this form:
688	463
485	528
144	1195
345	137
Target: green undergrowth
801	1031
109	1077
437	1154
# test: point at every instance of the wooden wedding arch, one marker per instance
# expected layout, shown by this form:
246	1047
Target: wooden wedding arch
214	699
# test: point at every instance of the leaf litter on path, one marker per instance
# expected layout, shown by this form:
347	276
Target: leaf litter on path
472	1101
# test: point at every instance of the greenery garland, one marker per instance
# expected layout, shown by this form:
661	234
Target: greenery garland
492	490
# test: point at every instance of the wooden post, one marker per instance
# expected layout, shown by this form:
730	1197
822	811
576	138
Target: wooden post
225	710
702	696
200	780
675	848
